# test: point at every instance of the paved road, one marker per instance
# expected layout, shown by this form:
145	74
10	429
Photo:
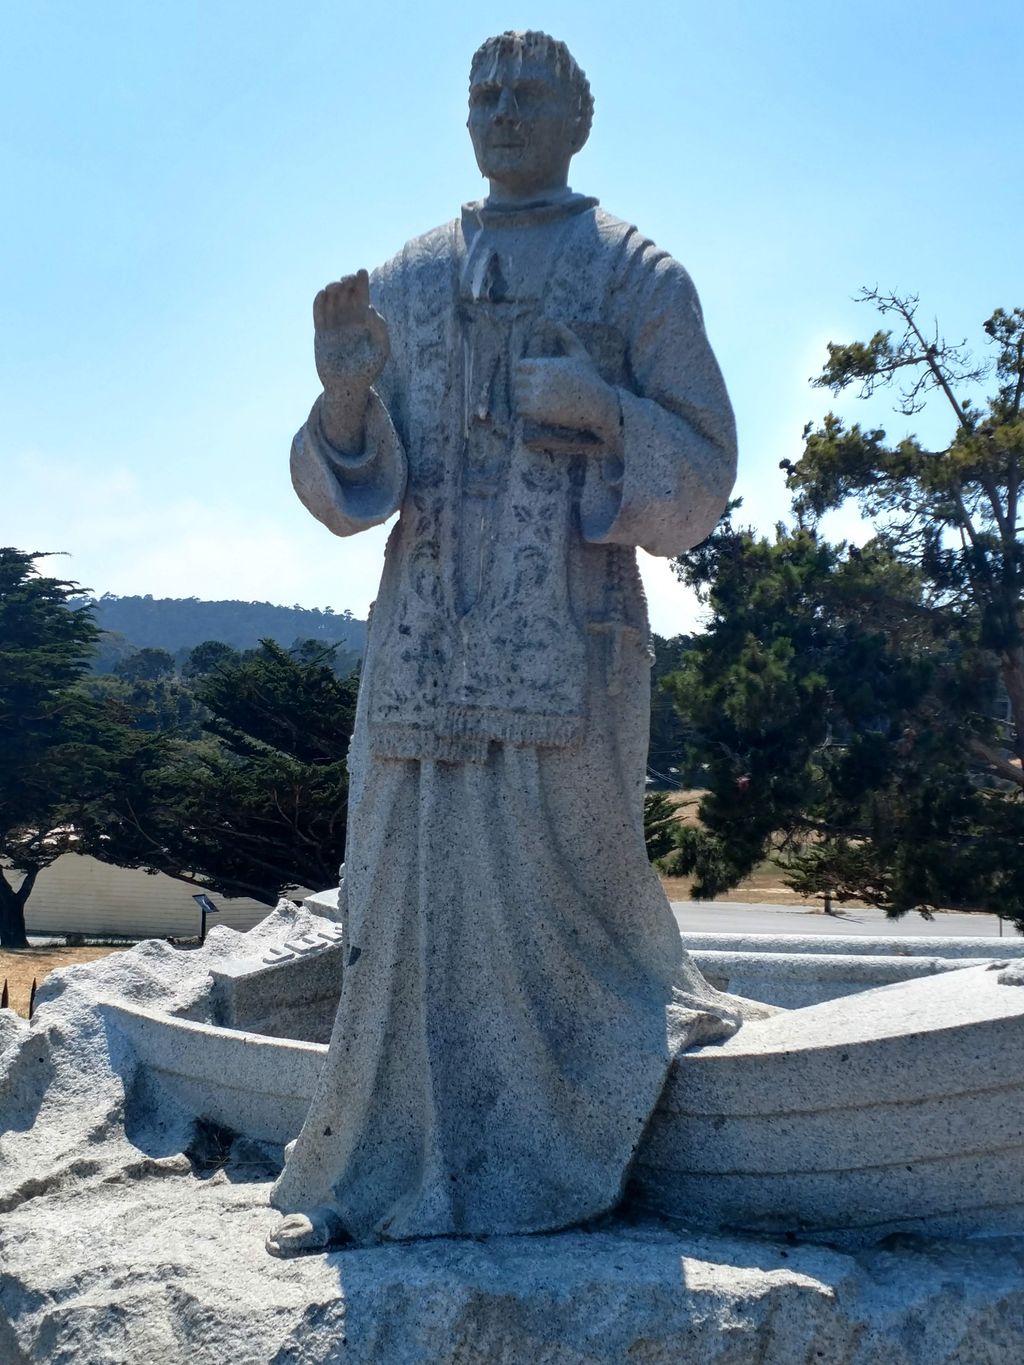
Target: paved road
726	917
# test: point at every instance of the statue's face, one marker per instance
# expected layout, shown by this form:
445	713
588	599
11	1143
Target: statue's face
524	123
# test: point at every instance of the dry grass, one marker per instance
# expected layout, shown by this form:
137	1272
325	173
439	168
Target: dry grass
764	885
686	803
21	967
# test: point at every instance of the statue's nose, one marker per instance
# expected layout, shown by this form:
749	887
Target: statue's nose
507	107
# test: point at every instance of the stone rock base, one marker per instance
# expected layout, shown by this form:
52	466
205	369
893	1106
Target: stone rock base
163	1261
131	1234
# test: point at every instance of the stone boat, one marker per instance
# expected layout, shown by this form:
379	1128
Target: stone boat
896	1109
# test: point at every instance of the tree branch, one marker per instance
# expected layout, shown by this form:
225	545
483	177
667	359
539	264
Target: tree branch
929	351
25	889
1013	772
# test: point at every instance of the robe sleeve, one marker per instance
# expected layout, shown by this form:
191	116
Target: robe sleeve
350	493
669	482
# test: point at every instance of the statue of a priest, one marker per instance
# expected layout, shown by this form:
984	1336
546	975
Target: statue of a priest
531	389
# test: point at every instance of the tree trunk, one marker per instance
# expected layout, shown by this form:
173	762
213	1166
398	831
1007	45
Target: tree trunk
1012	671
12	910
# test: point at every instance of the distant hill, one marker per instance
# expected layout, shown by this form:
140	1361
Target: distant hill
178	624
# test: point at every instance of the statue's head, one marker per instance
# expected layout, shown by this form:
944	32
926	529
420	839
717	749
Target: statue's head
530	110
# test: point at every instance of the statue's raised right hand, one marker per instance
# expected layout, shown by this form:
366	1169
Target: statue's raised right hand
351	338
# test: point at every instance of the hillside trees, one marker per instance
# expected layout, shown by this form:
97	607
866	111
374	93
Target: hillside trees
259	803
232	779
861	711
145	665
162	705
179	624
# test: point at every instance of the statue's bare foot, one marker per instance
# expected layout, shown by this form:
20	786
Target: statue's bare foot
301	1233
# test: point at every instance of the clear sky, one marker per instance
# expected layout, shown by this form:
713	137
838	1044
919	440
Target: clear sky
180	178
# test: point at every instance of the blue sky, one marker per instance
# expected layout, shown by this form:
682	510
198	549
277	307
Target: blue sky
180	178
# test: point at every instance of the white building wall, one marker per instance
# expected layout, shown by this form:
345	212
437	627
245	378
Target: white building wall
77	894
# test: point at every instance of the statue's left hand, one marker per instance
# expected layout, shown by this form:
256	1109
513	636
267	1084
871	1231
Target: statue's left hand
566	391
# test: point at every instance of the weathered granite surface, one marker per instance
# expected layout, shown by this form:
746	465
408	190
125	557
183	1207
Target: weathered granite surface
131	1234
11	1027
794	980
167	1265
796	970
899	1108
291	991
72	1098
894	1110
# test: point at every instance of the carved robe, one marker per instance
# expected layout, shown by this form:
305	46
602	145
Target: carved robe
515	983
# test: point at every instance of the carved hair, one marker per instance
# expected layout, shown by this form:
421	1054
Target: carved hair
554	54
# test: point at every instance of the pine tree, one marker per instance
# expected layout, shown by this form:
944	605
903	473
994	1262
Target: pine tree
259	804
861	711
46	751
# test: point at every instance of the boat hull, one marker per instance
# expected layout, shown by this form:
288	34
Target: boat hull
897	1109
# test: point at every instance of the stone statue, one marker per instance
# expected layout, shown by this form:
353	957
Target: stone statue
531	389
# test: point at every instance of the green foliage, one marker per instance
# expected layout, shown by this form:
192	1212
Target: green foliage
49	742
828	712
667	740
256	806
111	649
847	703
165	705
660	824
951	515
145	665
206	657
